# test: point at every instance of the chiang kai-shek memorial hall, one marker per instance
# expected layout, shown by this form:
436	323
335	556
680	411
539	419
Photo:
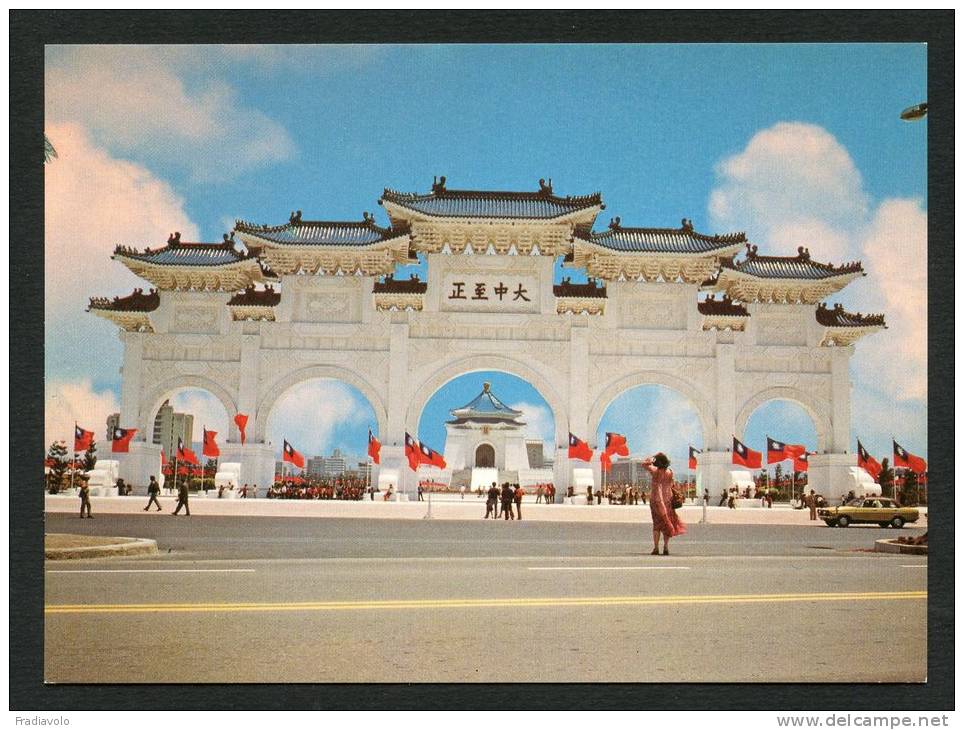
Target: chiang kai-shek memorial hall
706	315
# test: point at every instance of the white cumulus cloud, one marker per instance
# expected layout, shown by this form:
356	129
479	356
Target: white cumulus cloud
67	403
92	202
795	185
538	419
308	416
163	103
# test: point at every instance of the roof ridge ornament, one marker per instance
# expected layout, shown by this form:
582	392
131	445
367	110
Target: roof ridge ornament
686	225
486	386
804	254
174	239
295	218
544	188
438	184
751	251
614	223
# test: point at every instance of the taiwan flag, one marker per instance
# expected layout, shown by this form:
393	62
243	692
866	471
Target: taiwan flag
579	449
121	440
616	444
210	449
780	451
693	452
746	457
867	462
374	447
412	452
82	439
241	420
802	462
292	457
903	458
605	461
429	456
184	454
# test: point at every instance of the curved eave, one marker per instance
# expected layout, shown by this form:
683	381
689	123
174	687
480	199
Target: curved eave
128	321
583	249
374	259
399	212
744	287
216	277
844	336
611	265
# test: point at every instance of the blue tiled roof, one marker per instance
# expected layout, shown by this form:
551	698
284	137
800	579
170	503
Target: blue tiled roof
840	317
789	267
485	404
491	204
186	254
682	240
321	233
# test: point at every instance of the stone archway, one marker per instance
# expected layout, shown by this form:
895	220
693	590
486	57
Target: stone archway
153	400
485	456
815	408
475	363
701	405
269	398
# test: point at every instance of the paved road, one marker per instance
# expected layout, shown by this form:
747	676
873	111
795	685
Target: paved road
263	599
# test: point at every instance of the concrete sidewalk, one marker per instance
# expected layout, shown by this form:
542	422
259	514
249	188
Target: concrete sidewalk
467	509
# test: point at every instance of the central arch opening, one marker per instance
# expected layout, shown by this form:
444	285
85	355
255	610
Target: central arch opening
485	457
487	419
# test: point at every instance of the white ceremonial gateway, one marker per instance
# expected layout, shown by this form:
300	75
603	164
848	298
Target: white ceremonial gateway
705	315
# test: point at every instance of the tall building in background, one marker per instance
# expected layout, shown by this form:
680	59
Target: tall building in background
169	426
335	465
113	421
316	466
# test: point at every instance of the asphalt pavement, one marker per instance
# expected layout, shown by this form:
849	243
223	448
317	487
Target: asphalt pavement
235	599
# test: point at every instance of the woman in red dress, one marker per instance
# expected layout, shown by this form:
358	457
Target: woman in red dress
665	520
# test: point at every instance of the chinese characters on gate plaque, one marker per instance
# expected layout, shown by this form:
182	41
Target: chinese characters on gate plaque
479	291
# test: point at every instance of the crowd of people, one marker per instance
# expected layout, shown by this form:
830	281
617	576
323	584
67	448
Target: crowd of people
346	487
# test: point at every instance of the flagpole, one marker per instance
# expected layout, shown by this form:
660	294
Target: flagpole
74	459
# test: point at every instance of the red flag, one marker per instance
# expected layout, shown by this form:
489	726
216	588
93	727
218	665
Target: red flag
746	457
292	456
374	447
412	452
429	456
210	448
579	449
867	462
692	463
903	458
241	420
185	454
802	462
82	439
616	444
605	461
780	451
121	440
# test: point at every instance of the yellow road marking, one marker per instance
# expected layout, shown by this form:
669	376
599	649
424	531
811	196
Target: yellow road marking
479	603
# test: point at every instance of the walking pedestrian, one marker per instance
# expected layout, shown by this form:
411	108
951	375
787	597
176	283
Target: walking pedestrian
519	491
153	489
85	500
665	520
182	500
492	502
420	497
539	492
812	504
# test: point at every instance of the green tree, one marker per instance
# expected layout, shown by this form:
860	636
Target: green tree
90	457
886	478
56	461
910	494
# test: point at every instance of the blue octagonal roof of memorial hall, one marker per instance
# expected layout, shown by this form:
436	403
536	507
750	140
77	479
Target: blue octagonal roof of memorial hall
800	266
178	253
442	202
682	240
298	232
486	406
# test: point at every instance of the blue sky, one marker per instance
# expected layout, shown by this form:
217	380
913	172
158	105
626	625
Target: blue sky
194	137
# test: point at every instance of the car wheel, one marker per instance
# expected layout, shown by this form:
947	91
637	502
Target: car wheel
897	523
843	521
